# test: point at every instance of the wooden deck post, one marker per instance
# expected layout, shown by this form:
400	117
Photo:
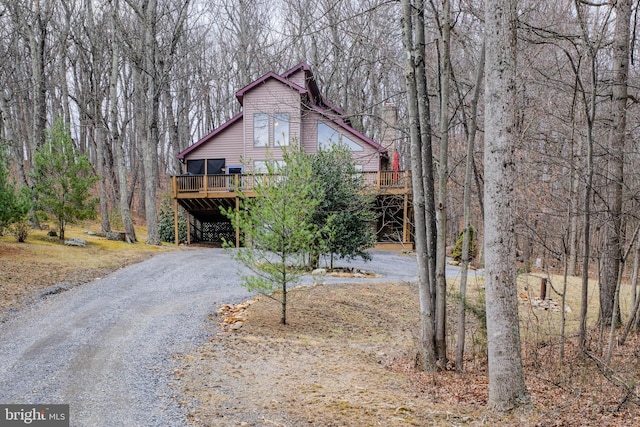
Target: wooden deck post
188	228
237	222
175	220
405	219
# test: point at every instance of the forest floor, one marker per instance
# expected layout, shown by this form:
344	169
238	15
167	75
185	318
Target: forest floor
347	356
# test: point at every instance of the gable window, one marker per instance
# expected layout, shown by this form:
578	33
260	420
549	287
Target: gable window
281	129
261	130
328	137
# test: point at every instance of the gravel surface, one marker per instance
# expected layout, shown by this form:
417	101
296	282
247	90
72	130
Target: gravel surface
106	348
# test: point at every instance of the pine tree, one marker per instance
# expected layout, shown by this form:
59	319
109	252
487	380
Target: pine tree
277	227
14	204
63	179
345	210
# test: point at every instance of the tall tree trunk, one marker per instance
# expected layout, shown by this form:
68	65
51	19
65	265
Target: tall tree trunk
125	211
466	237
507	389
590	114
427	344
100	141
613	231
38	46
443	178
37	42
428	182
151	138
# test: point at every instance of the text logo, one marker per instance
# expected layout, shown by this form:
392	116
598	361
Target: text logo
34	415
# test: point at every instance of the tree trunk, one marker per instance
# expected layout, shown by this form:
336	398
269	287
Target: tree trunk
613	240
590	114
574	201
151	138
507	389
125	211
427	344
100	140
443	177
467	216
424	114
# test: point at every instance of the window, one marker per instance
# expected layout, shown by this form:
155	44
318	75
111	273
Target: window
278	165
328	137
261	130
260	166
195	167
349	143
281	129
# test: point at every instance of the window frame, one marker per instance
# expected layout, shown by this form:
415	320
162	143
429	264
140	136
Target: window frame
261	133
279	120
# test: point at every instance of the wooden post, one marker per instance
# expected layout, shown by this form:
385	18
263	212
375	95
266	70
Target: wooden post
405	219
188	228
237	222
175	220
543	288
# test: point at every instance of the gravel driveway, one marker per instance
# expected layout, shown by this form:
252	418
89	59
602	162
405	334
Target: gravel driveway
106	347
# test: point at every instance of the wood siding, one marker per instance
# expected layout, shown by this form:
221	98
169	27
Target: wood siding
298	78
228	145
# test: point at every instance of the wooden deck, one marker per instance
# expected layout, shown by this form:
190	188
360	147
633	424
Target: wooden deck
204	197
228	186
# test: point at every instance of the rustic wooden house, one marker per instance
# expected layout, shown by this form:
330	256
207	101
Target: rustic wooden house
277	111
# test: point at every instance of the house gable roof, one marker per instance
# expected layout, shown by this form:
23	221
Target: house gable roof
312	85
211	135
270	75
318	104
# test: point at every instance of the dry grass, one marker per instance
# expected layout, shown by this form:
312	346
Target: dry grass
347	358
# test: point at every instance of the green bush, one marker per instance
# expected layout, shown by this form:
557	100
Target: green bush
456	252
166	227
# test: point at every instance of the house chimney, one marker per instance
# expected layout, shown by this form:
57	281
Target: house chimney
389	135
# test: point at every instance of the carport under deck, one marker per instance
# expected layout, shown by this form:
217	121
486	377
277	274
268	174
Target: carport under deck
203	196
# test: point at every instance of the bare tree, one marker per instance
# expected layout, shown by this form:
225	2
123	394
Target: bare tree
612	256
507	389
413	54
125	211
466	239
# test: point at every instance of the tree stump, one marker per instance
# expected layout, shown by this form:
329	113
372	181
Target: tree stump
543	288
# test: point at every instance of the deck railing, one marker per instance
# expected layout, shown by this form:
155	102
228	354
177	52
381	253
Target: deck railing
183	185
